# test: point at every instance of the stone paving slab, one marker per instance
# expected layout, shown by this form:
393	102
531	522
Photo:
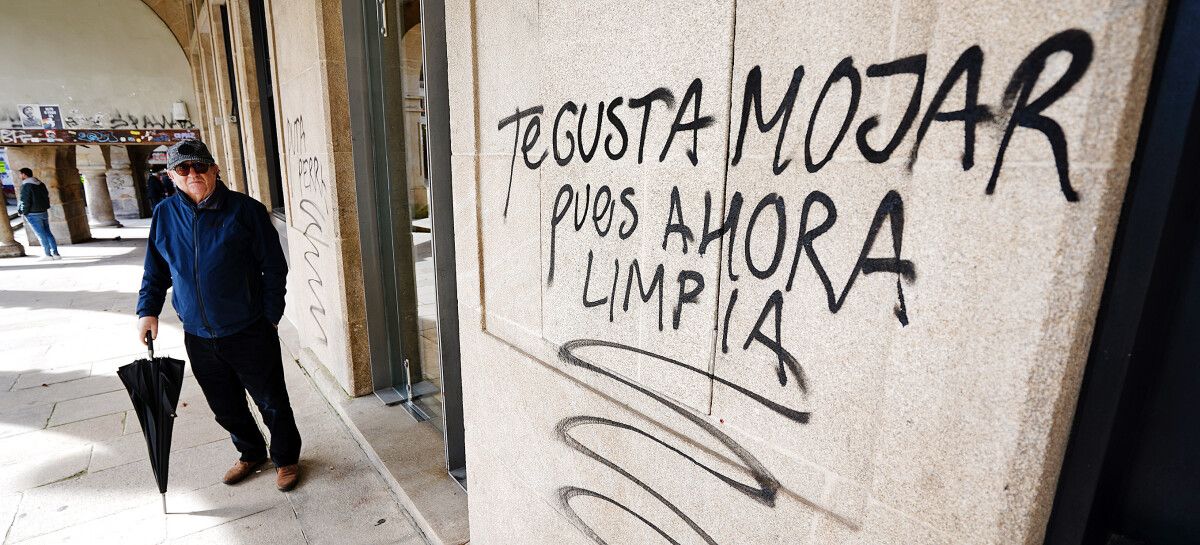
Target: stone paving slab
276	526
83	408
48	468
52	376
142	525
73	461
7	379
8	510
27	446
61	391
18	420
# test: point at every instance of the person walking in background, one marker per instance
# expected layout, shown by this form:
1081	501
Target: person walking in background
34	205
219	250
168	186
155	192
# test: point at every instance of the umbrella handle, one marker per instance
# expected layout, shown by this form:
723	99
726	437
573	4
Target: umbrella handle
150	344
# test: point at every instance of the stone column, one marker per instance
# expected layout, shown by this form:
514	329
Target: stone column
122	186
9	247
55	167
99	203
93	164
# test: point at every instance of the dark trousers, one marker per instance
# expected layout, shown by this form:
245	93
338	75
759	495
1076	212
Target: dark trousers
247	361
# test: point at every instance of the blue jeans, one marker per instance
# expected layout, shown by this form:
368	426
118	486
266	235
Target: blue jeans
40	222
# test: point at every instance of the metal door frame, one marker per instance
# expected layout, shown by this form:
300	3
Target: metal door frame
385	237
441	210
391	331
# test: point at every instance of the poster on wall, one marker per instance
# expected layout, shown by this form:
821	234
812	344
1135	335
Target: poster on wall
30	116
51	117
6	182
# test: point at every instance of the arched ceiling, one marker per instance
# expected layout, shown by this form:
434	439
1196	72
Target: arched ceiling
174	14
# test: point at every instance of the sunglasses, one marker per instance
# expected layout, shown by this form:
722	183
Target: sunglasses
185	168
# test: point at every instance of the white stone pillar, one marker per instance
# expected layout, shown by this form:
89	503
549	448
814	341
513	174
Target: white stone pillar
9	247
122	188
99	203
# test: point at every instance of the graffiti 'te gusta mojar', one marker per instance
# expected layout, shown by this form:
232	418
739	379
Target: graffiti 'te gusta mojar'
574	128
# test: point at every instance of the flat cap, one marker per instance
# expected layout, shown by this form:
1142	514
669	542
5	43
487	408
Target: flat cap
188	150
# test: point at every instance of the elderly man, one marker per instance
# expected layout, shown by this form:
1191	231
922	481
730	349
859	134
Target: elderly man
219	250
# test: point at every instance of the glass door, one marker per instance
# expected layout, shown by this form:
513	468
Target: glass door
409	277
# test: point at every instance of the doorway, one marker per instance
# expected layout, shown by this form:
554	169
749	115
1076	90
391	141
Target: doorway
402	153
264	76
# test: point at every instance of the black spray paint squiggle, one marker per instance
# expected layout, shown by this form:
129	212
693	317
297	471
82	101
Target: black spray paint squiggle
763	491
312	180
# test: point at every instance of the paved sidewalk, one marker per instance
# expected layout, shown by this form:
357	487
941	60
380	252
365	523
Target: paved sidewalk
73	463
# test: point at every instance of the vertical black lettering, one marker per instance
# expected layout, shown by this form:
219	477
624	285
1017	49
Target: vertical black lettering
1028	113
752	98
687	295
560	212
583	154
646	103
620	127
729	224
970	64
656	284
561	160
622	232
891	208
775	344
781	233
612	294
581	218
587	280
692	96
909	65
598	213
515	118
844	70
529	141
728	313
676	211
805	242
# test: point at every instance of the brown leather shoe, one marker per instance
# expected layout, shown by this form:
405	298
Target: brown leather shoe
240	471
287	477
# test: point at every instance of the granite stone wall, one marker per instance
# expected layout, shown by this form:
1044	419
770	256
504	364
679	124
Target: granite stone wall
782	272
325	296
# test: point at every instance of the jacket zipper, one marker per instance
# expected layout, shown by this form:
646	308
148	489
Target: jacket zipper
196	270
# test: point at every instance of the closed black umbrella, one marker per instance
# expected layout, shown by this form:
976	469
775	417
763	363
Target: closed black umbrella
154	386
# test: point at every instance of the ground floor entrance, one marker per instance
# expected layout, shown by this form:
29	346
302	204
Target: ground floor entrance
406	213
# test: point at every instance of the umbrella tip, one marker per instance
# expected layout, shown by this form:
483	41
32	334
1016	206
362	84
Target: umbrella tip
164	502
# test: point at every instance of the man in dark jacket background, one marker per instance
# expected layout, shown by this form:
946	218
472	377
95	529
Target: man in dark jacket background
222	255
34	205
155	189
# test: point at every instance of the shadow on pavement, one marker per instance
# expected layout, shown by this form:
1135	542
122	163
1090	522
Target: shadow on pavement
102	301
72	261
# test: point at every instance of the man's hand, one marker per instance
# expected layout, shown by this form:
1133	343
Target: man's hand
147	323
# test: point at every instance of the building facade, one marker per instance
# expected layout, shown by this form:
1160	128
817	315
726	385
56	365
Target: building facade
718	272
783	272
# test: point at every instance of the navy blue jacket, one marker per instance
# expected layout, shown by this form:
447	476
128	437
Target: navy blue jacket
223	258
